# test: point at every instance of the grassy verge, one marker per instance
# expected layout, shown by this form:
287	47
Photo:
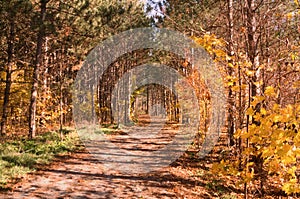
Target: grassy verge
18	157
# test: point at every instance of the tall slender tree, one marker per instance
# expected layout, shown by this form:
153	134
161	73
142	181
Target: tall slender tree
8	81
36	67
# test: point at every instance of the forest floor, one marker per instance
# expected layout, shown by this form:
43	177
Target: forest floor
81	175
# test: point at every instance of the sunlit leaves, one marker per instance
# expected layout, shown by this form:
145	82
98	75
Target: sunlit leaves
270	91
275	139
213	46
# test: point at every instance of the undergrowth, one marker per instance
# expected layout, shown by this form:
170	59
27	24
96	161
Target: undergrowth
18	157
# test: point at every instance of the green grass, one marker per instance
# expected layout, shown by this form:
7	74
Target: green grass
18	157
108	131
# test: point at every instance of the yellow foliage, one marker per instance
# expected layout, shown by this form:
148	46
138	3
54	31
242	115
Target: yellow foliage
274	140
250	111
263	111
250	73
212	45
271	130
289	15
248	176
270	91
230	65
291	187
257	100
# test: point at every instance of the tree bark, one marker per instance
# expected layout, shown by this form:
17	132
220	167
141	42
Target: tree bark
253	45
230	119
10	52
37	64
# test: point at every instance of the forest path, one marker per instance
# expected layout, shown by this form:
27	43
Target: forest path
81	175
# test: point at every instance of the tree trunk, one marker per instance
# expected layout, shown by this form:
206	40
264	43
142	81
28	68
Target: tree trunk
230	119
61	114
254	55
38	61
253	45
10	52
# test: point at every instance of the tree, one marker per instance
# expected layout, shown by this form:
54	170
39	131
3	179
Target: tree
71	30
13	23
230	52
10	53
260	69
36	68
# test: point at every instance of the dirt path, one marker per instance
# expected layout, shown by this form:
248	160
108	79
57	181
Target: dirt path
81	175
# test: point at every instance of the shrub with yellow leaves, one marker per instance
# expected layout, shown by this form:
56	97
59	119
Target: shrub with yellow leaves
275	139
